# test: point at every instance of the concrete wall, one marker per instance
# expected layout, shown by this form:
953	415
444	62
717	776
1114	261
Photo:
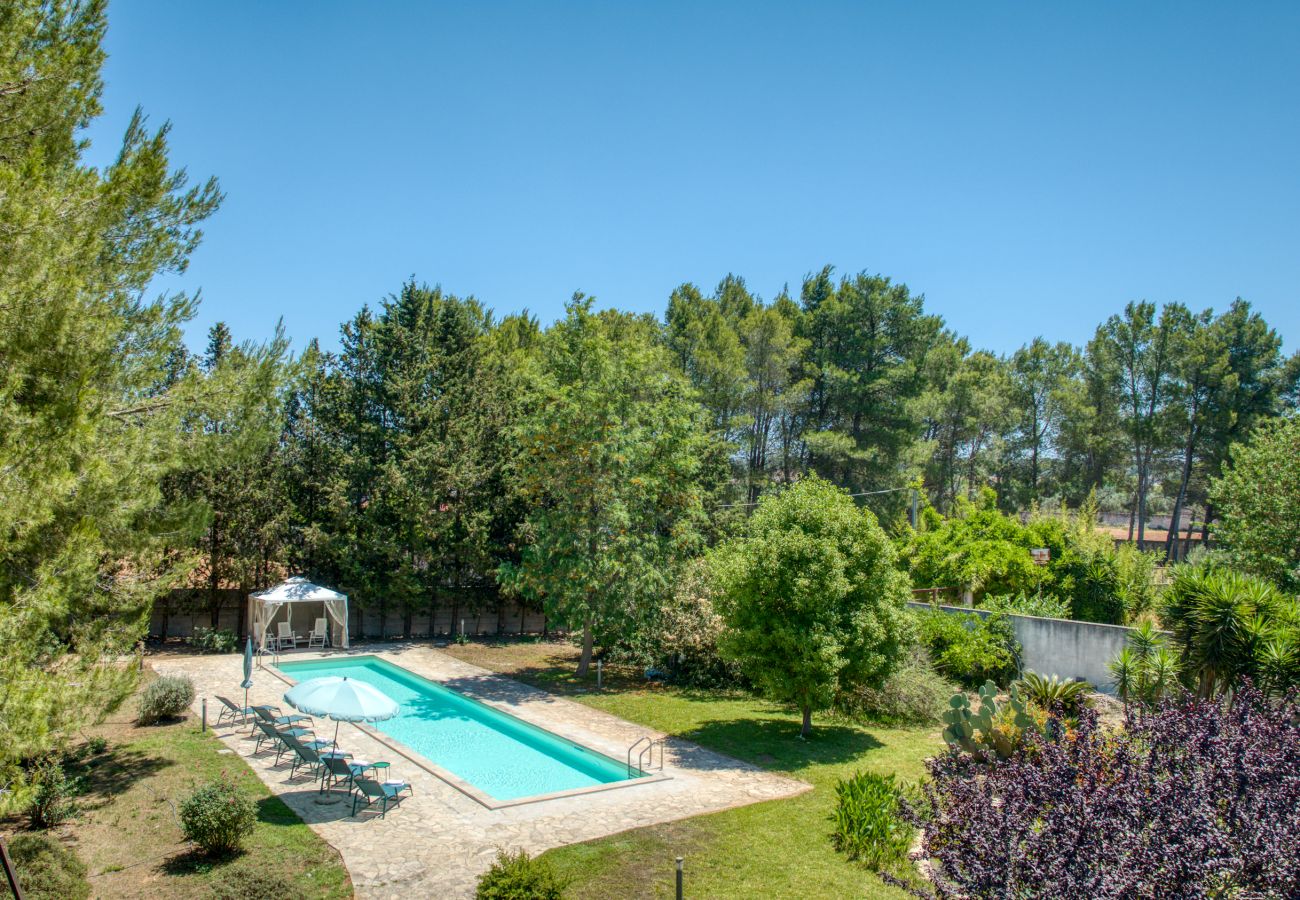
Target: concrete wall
1061	646
185	609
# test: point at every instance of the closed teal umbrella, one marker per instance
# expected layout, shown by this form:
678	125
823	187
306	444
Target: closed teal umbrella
248	669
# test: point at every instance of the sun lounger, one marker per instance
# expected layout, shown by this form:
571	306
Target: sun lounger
369	791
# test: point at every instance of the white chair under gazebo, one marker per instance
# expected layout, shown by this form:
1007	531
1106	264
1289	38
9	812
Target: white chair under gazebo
299	603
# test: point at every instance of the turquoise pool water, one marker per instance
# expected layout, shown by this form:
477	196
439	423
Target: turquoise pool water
504	757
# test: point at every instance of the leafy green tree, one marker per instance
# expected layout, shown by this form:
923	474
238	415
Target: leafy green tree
1259	501
1038	377
609	445
93	402
811	596
968	415
1140	350
868	341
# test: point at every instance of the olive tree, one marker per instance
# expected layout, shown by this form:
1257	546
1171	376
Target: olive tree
811	596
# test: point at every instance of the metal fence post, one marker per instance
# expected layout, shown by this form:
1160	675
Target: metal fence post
679	878
599	664
204	715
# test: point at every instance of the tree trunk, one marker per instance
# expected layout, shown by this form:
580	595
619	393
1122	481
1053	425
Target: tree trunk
584	661
1172	535
807	722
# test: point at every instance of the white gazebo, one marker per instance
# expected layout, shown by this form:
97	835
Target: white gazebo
294	595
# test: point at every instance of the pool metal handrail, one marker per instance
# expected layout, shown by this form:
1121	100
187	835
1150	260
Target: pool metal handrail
649	748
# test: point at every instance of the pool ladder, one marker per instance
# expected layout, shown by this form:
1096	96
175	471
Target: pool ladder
645	755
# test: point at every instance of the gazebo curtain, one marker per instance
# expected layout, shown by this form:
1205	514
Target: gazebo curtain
265	610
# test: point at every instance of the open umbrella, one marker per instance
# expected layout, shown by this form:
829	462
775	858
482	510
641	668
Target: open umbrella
248	670
341	699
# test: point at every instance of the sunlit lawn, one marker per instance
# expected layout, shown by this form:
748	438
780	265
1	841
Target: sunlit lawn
127	832
775	849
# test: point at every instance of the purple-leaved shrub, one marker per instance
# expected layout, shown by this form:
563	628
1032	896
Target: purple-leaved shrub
1193	798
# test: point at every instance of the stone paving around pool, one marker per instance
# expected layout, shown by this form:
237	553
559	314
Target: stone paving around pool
437	843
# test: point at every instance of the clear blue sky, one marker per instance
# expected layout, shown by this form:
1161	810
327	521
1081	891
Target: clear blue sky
1028	167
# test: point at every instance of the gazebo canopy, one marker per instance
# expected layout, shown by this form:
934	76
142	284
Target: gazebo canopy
289	595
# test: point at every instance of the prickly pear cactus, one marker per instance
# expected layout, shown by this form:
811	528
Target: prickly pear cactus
993	727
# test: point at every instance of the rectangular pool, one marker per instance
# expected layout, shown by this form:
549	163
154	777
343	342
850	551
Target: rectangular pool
500	755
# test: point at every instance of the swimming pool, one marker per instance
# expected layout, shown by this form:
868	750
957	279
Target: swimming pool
500	755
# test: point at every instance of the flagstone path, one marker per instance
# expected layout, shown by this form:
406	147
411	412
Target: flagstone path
439	841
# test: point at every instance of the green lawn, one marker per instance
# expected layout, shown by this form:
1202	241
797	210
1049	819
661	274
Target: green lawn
127	833
775	849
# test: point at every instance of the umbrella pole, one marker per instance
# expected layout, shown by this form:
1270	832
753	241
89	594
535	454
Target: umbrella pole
330	796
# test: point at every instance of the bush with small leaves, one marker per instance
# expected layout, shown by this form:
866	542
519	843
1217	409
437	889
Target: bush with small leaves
914	694
868	824
1192	798
214	640
969	648
47	869
1054	694
255	884
218	816
52	792
517	876
165	698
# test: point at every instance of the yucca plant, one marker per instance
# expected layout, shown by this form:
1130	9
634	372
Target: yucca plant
1146	669
1224	623
1055	694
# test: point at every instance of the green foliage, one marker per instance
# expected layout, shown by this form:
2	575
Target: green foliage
1043	605
996	728
165	698
52	791
988	553
913	694
1228	625
811	597
95	412
1145	670
1258	499
1135	580
517	876
218	816
969	648
682	635
610	467
47	869
1054	694
243	883
214	640
868	825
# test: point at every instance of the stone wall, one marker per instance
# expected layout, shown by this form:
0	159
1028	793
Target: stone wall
1061	646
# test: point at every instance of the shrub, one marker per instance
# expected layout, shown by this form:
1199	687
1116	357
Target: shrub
1228	626
255	884
1097	592
994	730
969	648
218	816
681	636
1029	605
1145	669
915	694
517	876
1053	694
165	698
214	640
47	870
1197	798
96	744
52	793
868	825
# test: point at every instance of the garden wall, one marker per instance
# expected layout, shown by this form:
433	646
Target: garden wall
182	610
1061	646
